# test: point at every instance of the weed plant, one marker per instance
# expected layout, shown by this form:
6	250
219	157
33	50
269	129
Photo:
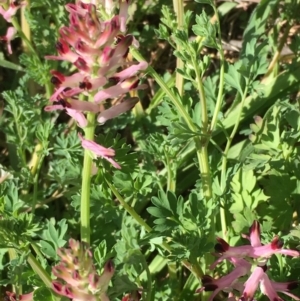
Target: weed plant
149	150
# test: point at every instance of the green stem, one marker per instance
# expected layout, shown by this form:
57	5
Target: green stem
224	162
276	56
149	280
230	138
202	98
202	156
171	179
128	208
39	270
36	181
218	107
86	182
179	10
222	78
173	97
12	254
20	147
158	97
27	42
202	144
201	147
194	268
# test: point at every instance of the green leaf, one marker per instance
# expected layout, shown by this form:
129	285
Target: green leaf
226	7
43	294
161	201
233	77
258	21
100	253
204	28
157	212
48	249
211	2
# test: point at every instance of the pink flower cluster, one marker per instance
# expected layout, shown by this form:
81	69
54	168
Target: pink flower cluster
8	13
98	50
249	260
13	297
77	277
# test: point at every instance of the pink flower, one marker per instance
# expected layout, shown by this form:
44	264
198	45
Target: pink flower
285	287
228	282
246	258
12	10
10	35
118	89
275	247
24	297
252	283
99	151
117	110
123	14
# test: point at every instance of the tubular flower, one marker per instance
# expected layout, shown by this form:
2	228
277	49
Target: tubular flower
10	35
99	151
7	14
11	10
249	260
25	297
77	277
98	49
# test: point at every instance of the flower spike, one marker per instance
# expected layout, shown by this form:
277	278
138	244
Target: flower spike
77	278
98	49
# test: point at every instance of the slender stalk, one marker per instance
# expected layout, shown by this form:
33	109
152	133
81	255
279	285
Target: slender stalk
179	10
86	182
224	161
194	268
128	208
34	161
22	35
201	144
171	181
276	56
218	107
12	254
39	270
149	280
20	148
202	98
27	32
138	109
173	97
230	138
222	78
36	182
159	95
202	156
